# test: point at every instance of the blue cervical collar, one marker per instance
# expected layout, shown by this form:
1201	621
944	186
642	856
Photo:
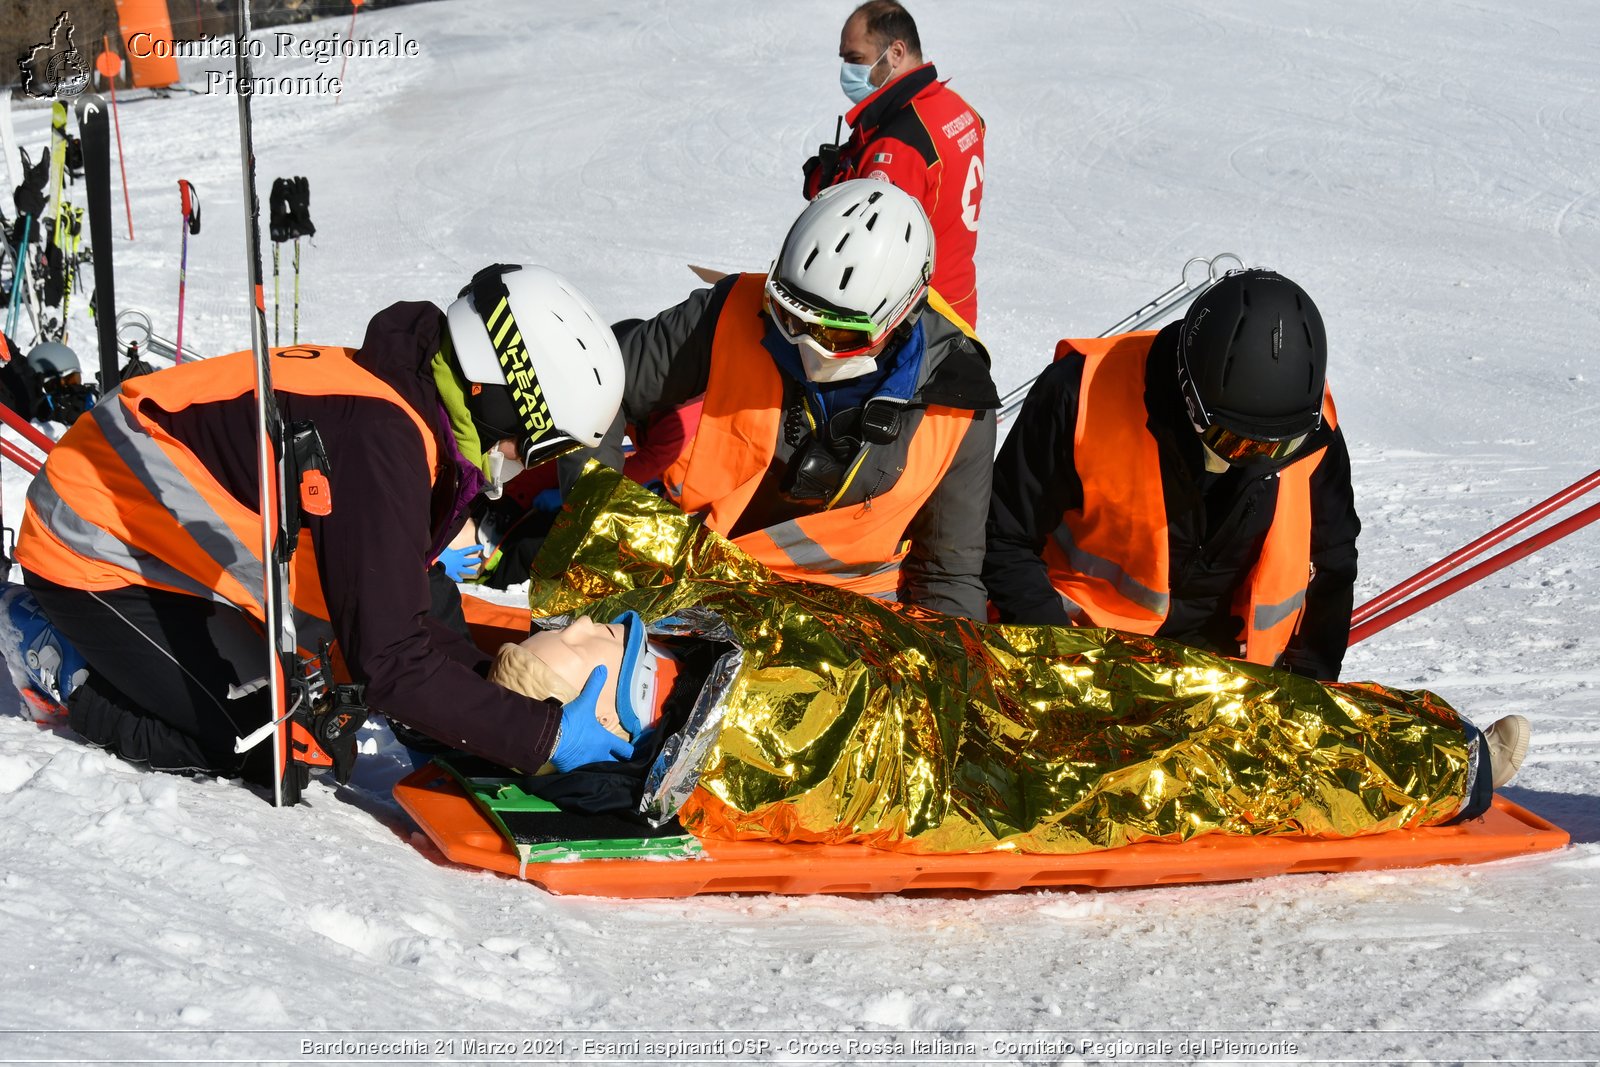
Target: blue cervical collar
634	652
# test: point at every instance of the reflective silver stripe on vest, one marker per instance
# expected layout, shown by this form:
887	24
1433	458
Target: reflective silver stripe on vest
167	484
1269	615
806	554
90	541
1093	566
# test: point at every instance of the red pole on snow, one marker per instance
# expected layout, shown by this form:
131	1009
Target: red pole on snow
34	435
355	9
1390	597
110	64
22	459
1476	574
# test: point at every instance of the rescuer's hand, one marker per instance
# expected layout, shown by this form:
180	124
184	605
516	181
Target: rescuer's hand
582	739
462	564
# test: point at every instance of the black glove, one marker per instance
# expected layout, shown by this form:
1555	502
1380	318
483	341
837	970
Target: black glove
282	211
29	197
300	202
74	157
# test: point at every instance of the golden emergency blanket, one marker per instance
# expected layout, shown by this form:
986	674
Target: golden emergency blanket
854	720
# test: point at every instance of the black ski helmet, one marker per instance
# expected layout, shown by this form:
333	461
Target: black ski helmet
1252	357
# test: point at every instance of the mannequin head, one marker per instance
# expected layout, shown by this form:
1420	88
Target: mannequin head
555	664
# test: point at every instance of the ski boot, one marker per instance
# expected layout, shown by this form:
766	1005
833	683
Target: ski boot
1506	741
44	667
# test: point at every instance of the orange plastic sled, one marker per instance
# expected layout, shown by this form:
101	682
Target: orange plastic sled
492	624
464	834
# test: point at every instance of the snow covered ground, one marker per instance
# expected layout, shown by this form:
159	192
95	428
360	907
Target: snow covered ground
1426	171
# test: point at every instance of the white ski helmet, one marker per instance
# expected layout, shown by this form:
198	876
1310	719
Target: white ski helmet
52	360
543	368
854	266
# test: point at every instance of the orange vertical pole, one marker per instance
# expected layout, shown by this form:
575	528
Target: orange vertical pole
109	64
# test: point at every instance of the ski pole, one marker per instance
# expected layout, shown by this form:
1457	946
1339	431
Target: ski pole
1473	575
190	204
16	278
109	64
1150	312
277	304
295	317
1428	574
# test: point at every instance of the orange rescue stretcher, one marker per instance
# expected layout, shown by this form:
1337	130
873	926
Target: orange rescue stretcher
467	835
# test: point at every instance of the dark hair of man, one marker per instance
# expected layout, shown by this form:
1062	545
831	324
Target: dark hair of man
888	22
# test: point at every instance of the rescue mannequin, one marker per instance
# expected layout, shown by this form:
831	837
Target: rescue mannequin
852	721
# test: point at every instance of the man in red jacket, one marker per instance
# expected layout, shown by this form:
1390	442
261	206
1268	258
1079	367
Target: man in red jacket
909	128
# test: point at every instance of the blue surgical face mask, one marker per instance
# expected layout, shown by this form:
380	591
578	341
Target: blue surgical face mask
855	80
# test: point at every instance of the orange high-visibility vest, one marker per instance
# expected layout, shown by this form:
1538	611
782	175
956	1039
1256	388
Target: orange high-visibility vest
120	502
1109	559
857	547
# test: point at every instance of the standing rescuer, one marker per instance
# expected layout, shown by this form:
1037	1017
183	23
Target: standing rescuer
848	429
141	537
911	129
1191	483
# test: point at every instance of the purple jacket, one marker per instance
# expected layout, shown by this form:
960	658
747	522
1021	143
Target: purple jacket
374	549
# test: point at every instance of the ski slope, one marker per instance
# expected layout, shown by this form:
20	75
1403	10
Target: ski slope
1426	171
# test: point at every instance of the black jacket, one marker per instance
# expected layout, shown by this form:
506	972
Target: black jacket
1216	522
373	549
668	362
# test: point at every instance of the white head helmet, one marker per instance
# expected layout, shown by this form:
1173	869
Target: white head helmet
543	368
854	266
52	360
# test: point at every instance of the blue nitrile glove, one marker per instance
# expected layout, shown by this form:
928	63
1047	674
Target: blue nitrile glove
582	739
547	501
462	564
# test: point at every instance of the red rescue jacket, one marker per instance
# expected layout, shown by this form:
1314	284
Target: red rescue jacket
918	134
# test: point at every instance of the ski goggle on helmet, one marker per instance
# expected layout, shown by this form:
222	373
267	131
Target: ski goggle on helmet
542	367
1252	365
854	266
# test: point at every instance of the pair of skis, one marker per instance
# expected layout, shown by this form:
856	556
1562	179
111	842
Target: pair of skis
65	233
95	135
312	720
270	465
